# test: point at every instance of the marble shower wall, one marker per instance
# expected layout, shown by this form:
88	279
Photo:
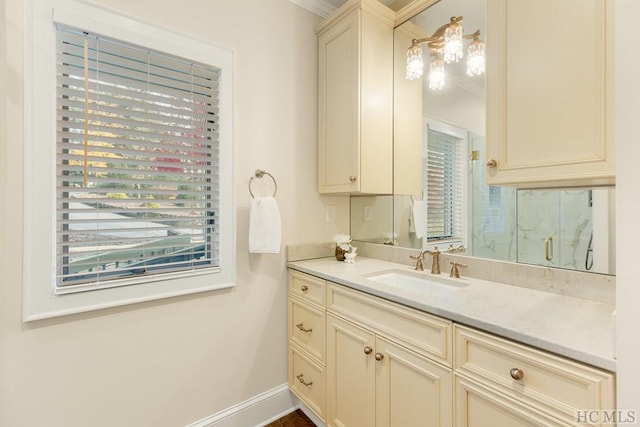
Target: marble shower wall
562	216
512	225
493	211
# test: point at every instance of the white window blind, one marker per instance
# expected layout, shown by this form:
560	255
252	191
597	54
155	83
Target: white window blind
444	174
137	163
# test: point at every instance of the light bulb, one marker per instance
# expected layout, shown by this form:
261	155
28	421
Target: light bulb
475	58
415	64
436	74
453	46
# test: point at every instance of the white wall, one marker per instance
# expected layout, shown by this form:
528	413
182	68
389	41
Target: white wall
175	361
627	128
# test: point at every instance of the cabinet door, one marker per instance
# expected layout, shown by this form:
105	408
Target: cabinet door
478	406
350	374
549	92
411	390
339	133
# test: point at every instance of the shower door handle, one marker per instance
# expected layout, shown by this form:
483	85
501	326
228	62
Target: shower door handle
548	248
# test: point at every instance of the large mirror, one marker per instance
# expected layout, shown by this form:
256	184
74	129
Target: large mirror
440	195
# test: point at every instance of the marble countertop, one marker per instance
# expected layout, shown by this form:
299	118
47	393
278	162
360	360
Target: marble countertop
577	328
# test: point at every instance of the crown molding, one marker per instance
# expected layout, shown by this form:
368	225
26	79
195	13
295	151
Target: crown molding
319	7
323	8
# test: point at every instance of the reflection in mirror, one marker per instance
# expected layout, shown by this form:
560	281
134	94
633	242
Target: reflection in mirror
371	219
440	196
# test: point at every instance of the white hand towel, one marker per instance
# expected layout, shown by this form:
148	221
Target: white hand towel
265	227
417	217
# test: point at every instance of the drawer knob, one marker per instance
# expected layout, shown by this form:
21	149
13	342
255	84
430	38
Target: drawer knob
301	379
304	288
516	373
302	328
368	350
379	356
352	178
492	163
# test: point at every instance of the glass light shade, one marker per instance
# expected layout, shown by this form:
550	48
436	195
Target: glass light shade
475	58
436	74
453	45
415	64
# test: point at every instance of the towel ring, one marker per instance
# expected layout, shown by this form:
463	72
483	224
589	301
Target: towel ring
259	174
413	200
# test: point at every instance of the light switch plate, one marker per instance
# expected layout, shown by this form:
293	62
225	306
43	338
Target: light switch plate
367	213
330	214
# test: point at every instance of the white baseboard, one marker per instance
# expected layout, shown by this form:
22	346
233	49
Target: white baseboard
309	413
257	411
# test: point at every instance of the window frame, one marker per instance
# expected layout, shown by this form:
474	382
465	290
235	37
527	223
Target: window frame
461	134
39	297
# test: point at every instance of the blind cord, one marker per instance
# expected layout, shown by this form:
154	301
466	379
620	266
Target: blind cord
86	113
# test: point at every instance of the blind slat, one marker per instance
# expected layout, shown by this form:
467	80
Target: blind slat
71	87
126	50
145	68
100	108
162	125
71	141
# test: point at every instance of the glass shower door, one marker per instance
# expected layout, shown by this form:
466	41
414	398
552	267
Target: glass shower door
554	227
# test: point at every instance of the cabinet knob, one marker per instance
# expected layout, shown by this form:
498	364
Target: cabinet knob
368	350
352	178
492	163
379	356
304	288
516	373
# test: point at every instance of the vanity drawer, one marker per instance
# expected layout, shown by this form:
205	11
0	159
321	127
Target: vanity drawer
307	327
560	386
478	405
307	287
414	329
307	381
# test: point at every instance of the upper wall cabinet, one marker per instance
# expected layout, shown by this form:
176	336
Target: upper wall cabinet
550	93
355	147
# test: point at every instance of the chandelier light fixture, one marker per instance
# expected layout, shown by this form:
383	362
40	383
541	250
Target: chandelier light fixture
446	45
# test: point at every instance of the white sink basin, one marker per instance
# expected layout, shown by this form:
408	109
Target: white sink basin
407	279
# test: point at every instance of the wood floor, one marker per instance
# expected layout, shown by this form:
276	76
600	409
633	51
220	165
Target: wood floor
295	419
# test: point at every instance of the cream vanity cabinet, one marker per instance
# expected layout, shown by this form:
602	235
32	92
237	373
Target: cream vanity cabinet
355	129
359	360
387	365
550	93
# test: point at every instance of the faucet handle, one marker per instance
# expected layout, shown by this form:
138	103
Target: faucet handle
419	265
454	269
453	249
